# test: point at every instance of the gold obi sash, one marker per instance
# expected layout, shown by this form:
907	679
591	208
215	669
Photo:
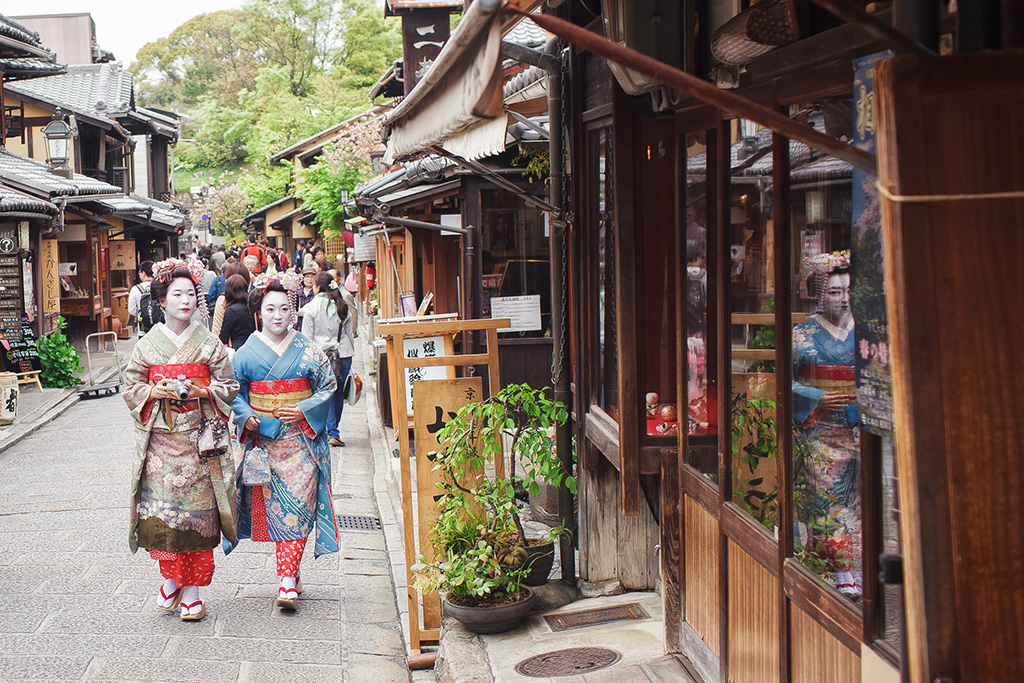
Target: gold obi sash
199	373
838	378
267	397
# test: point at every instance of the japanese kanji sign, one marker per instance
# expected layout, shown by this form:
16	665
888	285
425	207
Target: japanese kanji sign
424	347
50	277
437	401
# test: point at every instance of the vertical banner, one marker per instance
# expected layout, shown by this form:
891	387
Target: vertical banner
874	374
48	269
423	347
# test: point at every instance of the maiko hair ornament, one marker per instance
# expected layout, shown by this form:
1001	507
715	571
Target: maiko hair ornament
163	270
821	266
290	281
333	285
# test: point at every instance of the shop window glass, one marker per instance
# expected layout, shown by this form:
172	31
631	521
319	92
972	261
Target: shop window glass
701	395
514	259
601	202
826	435
748	227
656	278
891	607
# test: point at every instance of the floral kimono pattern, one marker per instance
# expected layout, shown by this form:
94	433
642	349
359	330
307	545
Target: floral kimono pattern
181	502
299	493
828	445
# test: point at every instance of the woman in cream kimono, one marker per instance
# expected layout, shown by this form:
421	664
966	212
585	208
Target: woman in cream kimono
181	502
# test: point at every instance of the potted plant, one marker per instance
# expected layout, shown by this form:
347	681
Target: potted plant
480	549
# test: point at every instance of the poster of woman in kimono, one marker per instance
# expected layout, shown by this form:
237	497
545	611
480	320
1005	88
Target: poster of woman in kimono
286	385
179	376
826	438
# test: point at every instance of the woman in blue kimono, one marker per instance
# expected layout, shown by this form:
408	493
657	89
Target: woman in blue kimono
285	387
826	434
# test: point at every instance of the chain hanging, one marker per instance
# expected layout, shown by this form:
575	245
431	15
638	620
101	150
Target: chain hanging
561	223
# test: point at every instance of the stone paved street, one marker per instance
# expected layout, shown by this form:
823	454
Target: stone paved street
77	605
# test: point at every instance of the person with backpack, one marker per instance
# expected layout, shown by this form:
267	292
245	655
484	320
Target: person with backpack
252	249
143	312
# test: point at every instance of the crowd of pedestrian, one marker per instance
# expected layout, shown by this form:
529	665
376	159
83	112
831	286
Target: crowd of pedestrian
249	333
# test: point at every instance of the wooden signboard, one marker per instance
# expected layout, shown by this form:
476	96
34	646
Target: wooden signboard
122	255
50	277
436	402
396	334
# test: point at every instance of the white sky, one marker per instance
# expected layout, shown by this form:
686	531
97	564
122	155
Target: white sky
124	27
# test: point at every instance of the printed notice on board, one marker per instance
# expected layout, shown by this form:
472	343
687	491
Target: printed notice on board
523	311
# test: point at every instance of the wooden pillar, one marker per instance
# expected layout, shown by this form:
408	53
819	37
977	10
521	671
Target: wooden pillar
951	133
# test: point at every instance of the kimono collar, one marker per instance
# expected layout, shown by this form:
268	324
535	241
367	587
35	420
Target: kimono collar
840	333
279	349
176	339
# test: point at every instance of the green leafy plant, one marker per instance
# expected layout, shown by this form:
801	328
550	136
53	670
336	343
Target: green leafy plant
764	338
478	539
538	163
62	366
754	440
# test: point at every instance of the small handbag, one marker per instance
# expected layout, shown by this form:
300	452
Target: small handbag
256	466
214	439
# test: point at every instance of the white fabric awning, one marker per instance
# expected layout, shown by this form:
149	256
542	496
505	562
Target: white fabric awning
483	139
463	85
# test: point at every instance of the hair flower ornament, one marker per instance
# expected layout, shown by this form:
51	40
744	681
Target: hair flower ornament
162	269
334	285
290	281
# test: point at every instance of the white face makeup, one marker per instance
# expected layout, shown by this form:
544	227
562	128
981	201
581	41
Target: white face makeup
836	301
181	300
276	313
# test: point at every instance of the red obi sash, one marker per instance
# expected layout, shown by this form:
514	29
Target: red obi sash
840	372
199	373
266	397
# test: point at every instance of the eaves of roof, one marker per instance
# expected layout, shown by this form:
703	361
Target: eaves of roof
22	68
263	209
327	134
104	123
35	178
14	204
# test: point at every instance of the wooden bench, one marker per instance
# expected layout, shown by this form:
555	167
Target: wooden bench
30	378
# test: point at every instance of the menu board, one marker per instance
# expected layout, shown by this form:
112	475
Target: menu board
19	345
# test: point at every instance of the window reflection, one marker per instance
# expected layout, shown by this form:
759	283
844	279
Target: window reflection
752	284
826	434
600	150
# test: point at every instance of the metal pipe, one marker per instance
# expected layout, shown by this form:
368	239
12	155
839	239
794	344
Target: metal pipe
701	89
557	233
526	55
410	223
488	174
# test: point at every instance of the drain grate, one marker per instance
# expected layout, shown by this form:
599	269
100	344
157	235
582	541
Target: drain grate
572	662
358	523
598	615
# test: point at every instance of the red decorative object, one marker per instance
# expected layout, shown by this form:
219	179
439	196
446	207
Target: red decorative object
668	413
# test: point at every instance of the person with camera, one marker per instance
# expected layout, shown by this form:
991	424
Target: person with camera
285	387
179	386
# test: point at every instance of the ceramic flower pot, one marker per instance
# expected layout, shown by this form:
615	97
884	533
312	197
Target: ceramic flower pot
540	558
491	619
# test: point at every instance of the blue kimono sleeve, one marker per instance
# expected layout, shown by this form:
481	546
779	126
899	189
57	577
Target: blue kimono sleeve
323	383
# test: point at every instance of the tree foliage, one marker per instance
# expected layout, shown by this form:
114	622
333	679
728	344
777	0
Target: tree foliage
254	81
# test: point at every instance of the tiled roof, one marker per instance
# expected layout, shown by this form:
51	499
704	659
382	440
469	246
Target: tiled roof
28	67
12	201
528	34
97	90
15	31
36	177
164	213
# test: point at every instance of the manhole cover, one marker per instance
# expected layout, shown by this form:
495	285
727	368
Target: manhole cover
358	523
572	662
598	615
